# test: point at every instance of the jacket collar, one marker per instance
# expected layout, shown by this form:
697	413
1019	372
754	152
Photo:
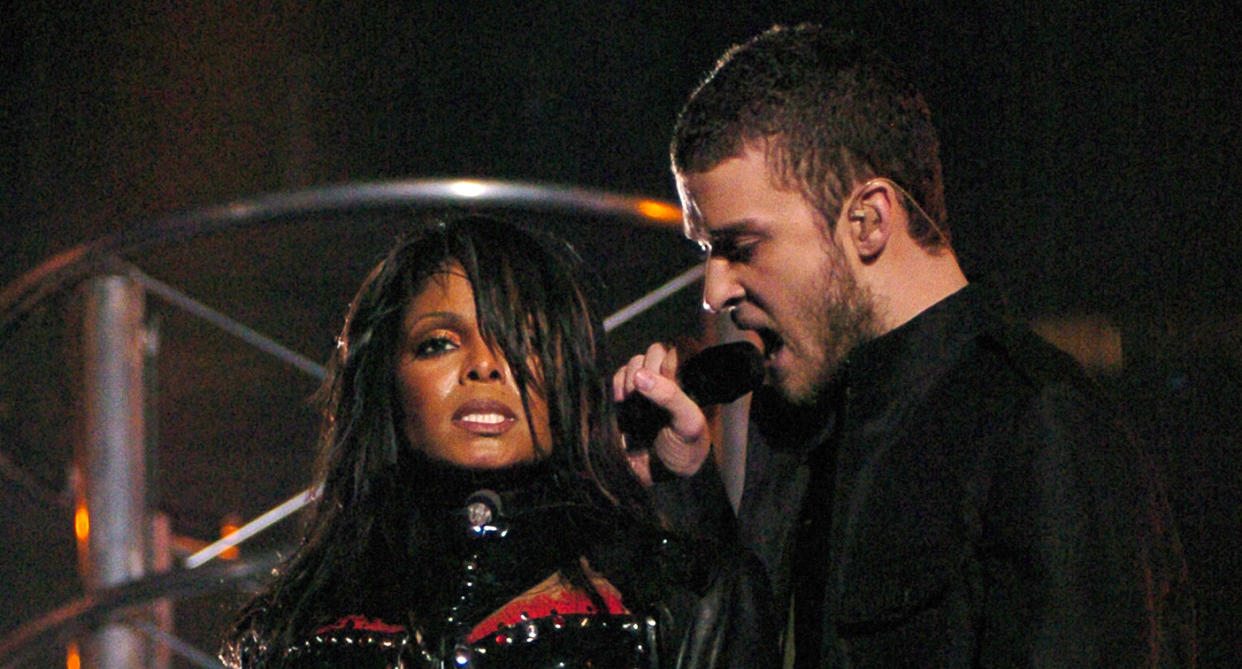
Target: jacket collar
888	372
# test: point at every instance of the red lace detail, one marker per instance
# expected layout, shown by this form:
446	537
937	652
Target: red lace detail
544	605
361	623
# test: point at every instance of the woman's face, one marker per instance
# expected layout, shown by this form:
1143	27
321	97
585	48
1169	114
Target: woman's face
460	401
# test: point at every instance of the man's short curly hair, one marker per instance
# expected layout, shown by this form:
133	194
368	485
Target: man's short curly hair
832	114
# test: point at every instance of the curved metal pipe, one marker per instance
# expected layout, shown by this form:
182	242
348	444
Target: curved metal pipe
76	263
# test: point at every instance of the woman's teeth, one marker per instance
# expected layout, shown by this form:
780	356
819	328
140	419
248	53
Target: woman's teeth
490	418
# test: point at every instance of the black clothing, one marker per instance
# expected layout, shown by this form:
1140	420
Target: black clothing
980	506
470	558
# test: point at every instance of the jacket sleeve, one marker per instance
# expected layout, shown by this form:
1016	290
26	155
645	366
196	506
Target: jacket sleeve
732	624
1109	583
697	504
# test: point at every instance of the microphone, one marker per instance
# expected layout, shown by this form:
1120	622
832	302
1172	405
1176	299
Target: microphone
717	375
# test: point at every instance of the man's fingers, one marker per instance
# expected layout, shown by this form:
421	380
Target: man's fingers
686	417
657	358
684	443
640	464
668	366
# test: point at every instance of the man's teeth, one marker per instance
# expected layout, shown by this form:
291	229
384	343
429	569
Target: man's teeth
492	418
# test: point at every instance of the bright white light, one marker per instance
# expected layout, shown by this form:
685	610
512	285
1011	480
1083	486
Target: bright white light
467	188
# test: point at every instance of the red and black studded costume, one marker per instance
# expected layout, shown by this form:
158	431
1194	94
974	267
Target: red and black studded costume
492	592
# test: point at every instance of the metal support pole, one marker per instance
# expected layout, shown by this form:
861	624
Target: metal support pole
112	462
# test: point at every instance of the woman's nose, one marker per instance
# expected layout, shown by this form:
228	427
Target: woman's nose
484	365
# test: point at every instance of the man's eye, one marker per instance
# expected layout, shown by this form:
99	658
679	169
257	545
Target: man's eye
734	250
433	346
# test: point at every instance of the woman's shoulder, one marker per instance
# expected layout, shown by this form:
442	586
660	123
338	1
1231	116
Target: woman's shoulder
356	629
354	641
349	641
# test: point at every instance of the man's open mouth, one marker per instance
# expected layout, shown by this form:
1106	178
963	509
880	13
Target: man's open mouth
771	341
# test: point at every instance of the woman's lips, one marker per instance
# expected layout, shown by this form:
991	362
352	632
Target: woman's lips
484	417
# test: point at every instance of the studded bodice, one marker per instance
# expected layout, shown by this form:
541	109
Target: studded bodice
491	593
551	642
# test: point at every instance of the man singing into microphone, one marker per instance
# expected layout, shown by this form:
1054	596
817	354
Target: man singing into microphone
926	483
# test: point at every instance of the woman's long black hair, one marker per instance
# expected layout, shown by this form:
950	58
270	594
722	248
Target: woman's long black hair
532	306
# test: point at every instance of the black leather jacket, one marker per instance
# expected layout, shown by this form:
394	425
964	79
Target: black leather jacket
963	497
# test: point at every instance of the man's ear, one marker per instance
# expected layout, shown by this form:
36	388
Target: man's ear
872	216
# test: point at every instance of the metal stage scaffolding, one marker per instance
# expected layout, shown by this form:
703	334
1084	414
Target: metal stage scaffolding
132	568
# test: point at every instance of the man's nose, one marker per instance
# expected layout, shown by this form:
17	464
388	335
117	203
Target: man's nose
721	291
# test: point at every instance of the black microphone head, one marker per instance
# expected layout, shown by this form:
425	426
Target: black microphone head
722	373
716	375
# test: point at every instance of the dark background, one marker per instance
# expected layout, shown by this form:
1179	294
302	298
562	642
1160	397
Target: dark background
1090	151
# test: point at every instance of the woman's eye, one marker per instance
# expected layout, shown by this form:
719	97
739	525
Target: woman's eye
433	346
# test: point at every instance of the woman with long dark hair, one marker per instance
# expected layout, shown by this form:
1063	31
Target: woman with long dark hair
477	508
